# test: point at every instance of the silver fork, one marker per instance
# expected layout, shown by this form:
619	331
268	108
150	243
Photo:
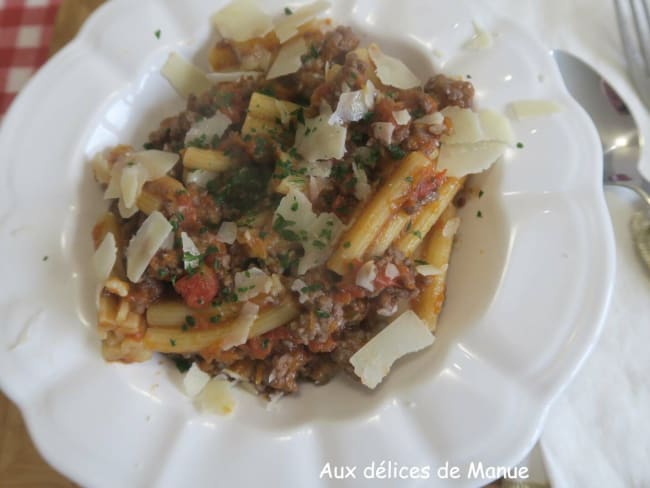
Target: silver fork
634	25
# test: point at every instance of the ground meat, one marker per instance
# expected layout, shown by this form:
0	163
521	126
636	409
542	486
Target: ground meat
337	44
170	136
144	293
448	91
285	370
165	265
386	303
353	74
320	369
349	342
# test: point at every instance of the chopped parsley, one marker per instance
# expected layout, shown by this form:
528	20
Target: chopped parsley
201	142
520	145
322	314
157	34
417	234
481	193
421	262
182	364
281	227
396	152
215	319
265	343
172	342
287	11
310	288
409	179
45	258
479	214
347	244
294	206
190	321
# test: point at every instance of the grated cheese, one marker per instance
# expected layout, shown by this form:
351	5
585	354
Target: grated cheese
406	334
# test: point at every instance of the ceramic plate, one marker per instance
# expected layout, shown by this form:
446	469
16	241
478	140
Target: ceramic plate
528	287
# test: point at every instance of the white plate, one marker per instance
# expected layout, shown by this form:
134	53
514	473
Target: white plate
529	281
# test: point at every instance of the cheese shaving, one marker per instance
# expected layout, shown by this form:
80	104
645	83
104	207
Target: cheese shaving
224	76
428	270
406	334
145	244
402	117
200	177
288	26
316	139
495	127
156	163
227	232
466	126
383	131
463	159
132	180
104	257
436	118
241	326
217	397
362	188
195	380
366	276
354	105
524	109
391	71
391	271
242	20
191	253
208	129
184	77
288	59
252	282
480	40
451	227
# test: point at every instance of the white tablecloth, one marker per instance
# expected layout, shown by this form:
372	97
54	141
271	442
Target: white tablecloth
598	432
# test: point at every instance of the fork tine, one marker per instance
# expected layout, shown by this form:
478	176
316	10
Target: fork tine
642	25
623	17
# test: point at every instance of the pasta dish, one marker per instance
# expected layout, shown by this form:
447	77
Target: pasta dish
297	218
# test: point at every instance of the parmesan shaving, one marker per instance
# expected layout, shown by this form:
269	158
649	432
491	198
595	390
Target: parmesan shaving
113	190
354	105
132	180
241	326
227	232
436	118
285	115
195	380
145	244
391	271
466	126
316	233
156	163
495	127
480	40
252	282
463	159
217	397
224	76
104	257
406	334
362	188
451	227
200	177
535	108
366	276
383	131
242	20
288	59
191	253
391	71
288	26
428	270
184	76
402	117
316	139
126	213
209	129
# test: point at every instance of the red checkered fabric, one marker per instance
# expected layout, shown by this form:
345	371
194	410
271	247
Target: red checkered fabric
25	33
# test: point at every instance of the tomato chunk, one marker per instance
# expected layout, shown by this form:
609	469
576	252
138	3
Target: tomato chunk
198	289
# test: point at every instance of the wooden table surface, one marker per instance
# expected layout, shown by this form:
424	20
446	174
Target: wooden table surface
20	463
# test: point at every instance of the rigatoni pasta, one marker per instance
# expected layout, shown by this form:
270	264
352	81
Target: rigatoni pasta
284	227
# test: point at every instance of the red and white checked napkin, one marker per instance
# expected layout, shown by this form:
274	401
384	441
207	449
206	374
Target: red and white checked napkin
25	33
